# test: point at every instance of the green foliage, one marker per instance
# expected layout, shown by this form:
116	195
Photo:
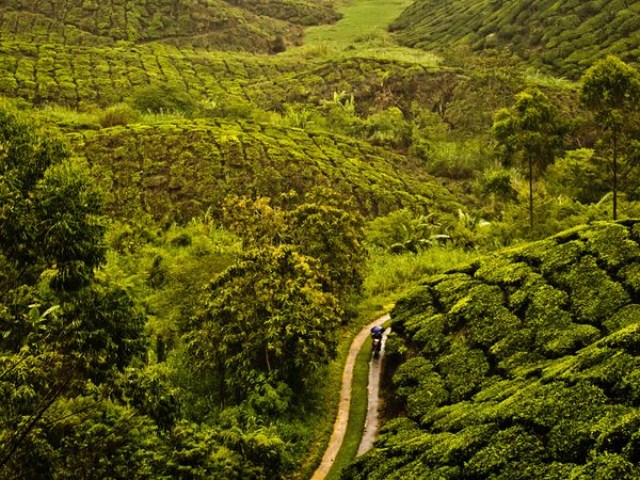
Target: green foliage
163	99
318	228
284	334
388	273
611	90
560	37
519	365
368	120
121	114
334	236
237	25
150	170
401	231
578	176
530	129
46	201
65	334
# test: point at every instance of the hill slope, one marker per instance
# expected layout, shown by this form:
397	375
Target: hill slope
236	25
524	365
563	36
175	171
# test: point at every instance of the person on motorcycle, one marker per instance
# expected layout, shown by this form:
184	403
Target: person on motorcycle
376	342
377	331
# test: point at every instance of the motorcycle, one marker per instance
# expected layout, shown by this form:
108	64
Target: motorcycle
376	346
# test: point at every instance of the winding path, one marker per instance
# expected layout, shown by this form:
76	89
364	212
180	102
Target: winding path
342	418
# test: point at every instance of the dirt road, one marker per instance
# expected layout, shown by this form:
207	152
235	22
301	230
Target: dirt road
373	400
342	419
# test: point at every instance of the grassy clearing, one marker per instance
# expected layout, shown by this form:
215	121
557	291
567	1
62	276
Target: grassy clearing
362	32
532	76
360	19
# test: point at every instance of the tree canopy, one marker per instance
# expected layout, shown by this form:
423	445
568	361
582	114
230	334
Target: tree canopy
530	131
611	90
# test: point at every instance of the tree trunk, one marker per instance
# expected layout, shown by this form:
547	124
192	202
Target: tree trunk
530	193
615	176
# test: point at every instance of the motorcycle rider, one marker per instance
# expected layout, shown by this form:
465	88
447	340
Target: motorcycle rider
377	331
376	336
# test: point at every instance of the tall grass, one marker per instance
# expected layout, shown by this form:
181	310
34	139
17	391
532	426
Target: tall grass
389	275
535	77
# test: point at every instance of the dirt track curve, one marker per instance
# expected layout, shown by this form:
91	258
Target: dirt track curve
342	419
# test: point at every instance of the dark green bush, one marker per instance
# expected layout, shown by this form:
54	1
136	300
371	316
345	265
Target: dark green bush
432	338
121	114
463	370
163	99
593	294
520	340
514	444
607	466
612	245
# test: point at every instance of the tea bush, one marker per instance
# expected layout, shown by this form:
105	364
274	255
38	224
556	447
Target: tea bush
175	170
522	364
566	36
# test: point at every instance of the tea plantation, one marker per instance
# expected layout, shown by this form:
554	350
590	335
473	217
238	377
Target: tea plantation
521	365
235	25
177	171
202	201
565	36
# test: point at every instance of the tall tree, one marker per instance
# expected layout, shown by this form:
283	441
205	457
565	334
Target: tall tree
529	132
61	328
266	321
318	228
611	90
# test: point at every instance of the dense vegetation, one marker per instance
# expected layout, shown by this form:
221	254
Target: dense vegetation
243	158
196	214
565	37
256	26
519	365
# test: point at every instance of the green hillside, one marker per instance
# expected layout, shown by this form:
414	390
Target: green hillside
179	170
564	37
203	201
521	365
235	25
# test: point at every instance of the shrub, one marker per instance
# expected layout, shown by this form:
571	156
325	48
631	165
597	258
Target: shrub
485	318
593	294
611	244
607	466
463	370
506	446
120	114
624	317
431	337
163	99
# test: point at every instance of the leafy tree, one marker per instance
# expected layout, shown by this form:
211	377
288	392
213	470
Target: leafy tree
257	222
611	90
266	320
317	228
61	329
577	176
529	132
334	236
